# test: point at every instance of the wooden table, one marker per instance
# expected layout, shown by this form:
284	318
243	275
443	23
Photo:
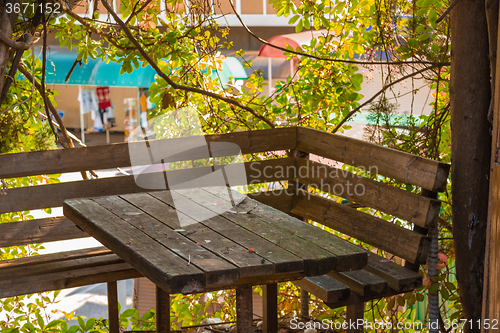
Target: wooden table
251	245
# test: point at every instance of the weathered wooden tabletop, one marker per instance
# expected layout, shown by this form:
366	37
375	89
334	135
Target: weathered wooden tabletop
254	244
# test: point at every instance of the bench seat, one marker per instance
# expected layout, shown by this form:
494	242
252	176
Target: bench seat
380	278
62	270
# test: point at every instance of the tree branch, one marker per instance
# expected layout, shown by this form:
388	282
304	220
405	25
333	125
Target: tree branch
346	118
172	83
263	41
16	44
94	29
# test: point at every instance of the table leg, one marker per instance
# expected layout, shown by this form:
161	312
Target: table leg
270	307
355	314
244	310
304	304
114	326
162	311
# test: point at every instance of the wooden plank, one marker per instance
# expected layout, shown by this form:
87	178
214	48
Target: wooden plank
279	200
53	195
54	257
57	266
263	251
312	259
270	308
491	293
117	155
325	288
398	277
361	282
384	235
392	163
349	256
217	270
159	264
29	284
356	299
113	315
244	310
400	203
39	231
249	264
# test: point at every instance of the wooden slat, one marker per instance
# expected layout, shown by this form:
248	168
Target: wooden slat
356	299
279	200
361	282
392	163
400	203
325	288
349	256
398	277
29	284
117	155
57	266
39	231
54	257
53	195
149	258
315	259
217	270
384	235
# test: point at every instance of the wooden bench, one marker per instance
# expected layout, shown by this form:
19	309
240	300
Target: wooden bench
381	277
378	279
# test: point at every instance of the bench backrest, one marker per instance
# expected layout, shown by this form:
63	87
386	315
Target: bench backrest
403	167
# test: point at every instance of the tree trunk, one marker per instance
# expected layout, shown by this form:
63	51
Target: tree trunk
7	21
470	94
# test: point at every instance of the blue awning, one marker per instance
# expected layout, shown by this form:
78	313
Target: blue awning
99	73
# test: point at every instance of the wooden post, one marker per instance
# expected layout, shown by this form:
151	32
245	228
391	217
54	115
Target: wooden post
354	313
162	311
113	315
270	307
244	310
304	304
292	185
491	286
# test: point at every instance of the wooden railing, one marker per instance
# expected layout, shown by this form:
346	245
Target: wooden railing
388	236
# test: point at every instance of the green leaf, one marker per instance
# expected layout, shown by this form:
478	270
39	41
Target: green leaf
433	15
434	288
81	322
293	19
73	329
299	26
413	42
127	313
424	37
422	11
148	315
444	293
